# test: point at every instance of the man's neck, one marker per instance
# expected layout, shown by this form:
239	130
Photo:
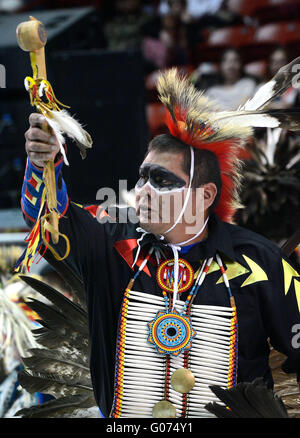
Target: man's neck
179	235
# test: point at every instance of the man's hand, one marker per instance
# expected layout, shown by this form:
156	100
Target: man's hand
40	146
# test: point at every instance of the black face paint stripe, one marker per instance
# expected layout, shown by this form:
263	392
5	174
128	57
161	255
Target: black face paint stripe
160	177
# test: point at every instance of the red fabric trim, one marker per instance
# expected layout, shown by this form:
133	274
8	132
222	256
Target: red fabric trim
67	206
29	217
34	220
93	210
33	182
40	169
58	162
29	195
125	249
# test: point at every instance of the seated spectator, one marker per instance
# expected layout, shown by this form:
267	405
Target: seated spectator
234	87
171	46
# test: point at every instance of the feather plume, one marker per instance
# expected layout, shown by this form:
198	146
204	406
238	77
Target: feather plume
190	118
289	119
63	123
198	122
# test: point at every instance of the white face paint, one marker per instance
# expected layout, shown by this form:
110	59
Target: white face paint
159	179
159	193
163	195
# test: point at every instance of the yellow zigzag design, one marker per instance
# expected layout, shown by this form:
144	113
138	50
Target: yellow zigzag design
258	274
234	270
289	272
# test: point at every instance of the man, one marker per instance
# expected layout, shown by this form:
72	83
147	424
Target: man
184	299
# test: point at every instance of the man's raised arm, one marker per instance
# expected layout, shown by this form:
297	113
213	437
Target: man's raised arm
40	147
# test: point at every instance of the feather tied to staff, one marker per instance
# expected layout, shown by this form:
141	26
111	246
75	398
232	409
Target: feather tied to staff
32	37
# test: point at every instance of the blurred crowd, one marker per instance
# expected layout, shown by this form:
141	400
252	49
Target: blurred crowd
175	33
228	49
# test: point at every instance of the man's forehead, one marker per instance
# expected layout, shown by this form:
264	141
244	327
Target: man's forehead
168	161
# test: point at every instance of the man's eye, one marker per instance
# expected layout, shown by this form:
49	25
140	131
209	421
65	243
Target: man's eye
162	181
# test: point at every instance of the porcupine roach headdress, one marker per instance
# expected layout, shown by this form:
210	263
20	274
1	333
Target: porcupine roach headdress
198	122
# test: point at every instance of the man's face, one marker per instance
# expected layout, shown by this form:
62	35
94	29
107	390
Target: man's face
231	66
278	59
161	191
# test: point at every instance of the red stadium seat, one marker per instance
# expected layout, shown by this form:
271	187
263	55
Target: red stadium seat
268	37
218	40
236	36
278	33
246	7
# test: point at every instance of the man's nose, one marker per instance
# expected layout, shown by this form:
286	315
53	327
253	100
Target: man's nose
146	191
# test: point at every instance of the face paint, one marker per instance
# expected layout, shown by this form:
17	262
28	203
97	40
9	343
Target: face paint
161	180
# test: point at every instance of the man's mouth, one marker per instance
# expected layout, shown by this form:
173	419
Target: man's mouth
144	208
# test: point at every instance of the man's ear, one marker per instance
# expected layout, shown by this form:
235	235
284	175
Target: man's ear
210	192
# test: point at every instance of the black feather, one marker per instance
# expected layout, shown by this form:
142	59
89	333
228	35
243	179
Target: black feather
54	318
59	356
60	366
236	400
72	310
265	401
53	384
219	411
59	408
247	400
64	269
288	118
51	317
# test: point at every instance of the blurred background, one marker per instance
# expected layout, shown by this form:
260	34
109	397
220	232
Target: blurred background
103	57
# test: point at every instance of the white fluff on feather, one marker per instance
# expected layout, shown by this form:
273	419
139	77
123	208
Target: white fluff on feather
59	137
244	119
263	94
63	123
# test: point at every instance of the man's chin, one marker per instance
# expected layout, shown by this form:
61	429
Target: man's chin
151	227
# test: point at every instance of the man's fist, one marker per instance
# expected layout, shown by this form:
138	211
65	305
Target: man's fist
40	146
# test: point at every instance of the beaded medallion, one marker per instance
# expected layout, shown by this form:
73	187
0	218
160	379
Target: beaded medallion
165	275
171	333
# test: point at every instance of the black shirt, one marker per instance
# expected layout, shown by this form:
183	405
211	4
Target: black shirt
265	286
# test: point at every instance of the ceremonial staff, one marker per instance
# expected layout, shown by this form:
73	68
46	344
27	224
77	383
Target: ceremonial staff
32	38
